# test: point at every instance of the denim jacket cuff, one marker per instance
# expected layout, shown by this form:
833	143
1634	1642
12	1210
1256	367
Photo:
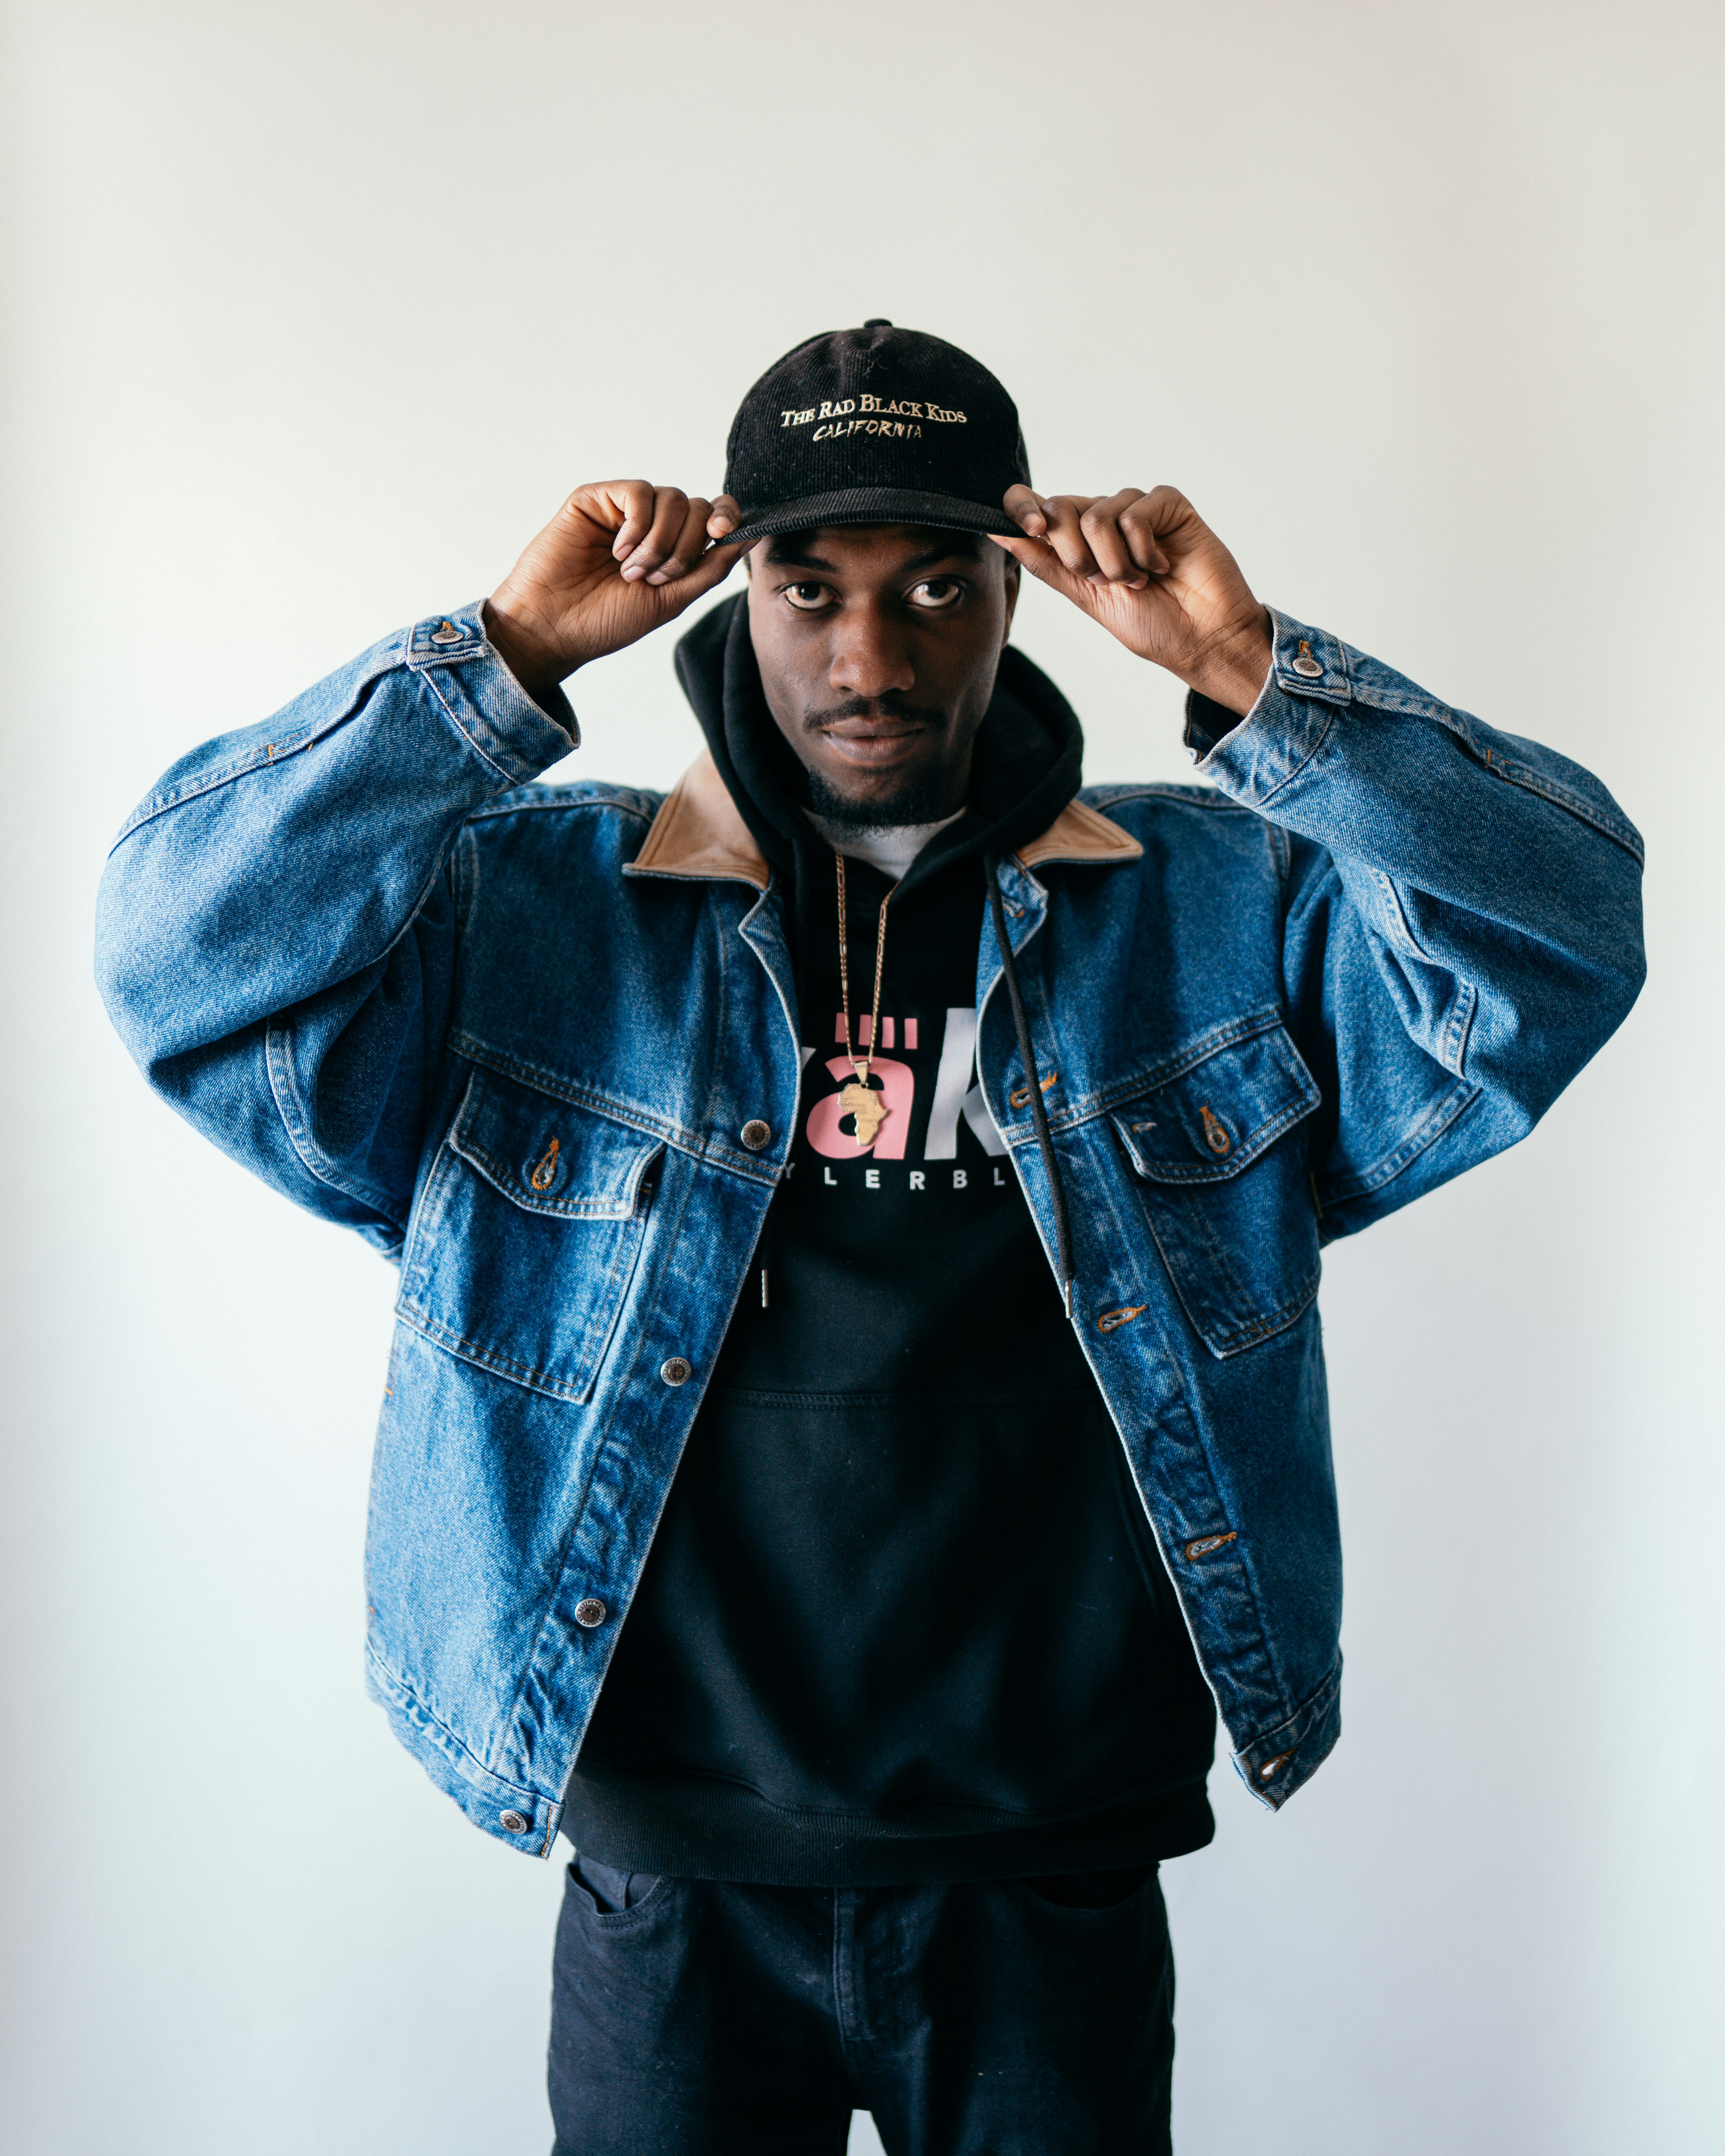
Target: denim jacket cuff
481	696
1249	758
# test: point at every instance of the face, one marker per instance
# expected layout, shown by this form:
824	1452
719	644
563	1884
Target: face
877	646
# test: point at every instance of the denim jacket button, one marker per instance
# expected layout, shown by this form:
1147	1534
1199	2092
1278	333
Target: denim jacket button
589	1611
1305	664
447	633
755	1134
675	1371
514	1822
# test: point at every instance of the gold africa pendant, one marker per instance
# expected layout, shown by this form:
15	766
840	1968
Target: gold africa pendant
868	1107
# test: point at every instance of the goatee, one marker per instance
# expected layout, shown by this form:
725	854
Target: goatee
921	799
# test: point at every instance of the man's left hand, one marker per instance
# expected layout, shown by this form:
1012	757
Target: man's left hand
1149	568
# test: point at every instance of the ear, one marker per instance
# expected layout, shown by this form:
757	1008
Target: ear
1012	596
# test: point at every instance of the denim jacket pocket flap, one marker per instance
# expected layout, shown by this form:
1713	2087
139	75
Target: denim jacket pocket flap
1229	1206
548	1156
1216	1118
527	1235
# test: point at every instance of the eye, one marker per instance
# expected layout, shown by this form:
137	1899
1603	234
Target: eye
807	599
936	593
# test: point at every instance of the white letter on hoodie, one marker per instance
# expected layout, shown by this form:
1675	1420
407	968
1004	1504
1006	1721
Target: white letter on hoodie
951	1097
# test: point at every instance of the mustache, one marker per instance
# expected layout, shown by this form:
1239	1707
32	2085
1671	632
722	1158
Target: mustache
874	708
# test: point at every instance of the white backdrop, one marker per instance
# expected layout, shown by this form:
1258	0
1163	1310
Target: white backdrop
315	312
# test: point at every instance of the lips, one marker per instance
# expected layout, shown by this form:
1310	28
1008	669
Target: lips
874	739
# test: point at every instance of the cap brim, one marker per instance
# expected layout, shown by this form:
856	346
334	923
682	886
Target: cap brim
871	505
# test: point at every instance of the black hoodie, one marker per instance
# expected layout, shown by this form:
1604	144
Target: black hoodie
903	1619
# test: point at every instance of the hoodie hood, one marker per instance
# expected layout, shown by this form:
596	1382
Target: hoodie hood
1028	756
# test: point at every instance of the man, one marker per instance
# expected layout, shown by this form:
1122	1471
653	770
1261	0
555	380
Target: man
857	1411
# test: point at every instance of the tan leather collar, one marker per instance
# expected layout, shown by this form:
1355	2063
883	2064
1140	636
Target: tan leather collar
698	833
1082	835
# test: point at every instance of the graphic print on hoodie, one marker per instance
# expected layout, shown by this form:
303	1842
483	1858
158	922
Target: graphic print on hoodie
903	1618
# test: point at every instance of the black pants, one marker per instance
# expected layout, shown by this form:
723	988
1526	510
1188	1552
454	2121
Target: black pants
691	2018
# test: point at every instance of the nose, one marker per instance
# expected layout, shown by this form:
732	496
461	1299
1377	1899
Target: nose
871	655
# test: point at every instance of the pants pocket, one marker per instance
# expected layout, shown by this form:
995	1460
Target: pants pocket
1091	1891
606	1891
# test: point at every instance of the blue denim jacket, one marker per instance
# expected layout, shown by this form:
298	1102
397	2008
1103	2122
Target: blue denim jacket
512	1034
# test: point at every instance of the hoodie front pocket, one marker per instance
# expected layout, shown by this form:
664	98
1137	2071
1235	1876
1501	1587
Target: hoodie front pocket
1220	1164
526	1236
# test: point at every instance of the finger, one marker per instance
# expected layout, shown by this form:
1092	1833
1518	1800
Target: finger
689	546
726	516
634	498
1066	534
1027	510
1100	527
714	566
670	505
1138	528
1041	559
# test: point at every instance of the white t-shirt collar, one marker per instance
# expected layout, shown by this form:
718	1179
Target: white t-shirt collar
889	847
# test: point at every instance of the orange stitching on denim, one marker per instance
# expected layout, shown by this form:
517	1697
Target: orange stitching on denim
546	1174
1270	1767
1205	1543
1111	1319
1216	1131
1021	1099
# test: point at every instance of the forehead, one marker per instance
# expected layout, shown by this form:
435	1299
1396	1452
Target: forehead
873	549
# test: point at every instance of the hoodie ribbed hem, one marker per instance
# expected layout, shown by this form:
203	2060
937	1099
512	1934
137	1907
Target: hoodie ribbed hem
682	1827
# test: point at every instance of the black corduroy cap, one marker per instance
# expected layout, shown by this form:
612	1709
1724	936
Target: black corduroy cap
874	426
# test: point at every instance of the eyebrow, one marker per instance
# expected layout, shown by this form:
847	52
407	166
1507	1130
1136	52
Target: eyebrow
793	557
963	548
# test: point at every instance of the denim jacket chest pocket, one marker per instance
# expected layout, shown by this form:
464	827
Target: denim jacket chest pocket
526	1236
1220	1168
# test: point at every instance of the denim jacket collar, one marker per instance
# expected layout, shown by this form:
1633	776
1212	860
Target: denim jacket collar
699	833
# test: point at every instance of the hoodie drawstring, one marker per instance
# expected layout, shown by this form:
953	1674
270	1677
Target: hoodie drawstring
1039	1113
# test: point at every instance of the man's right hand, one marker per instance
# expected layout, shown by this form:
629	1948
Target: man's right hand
617	560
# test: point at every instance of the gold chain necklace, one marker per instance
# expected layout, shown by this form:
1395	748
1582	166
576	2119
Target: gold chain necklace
858	1098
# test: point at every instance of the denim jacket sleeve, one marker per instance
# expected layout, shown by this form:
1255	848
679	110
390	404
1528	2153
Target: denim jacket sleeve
1462	926
275	930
